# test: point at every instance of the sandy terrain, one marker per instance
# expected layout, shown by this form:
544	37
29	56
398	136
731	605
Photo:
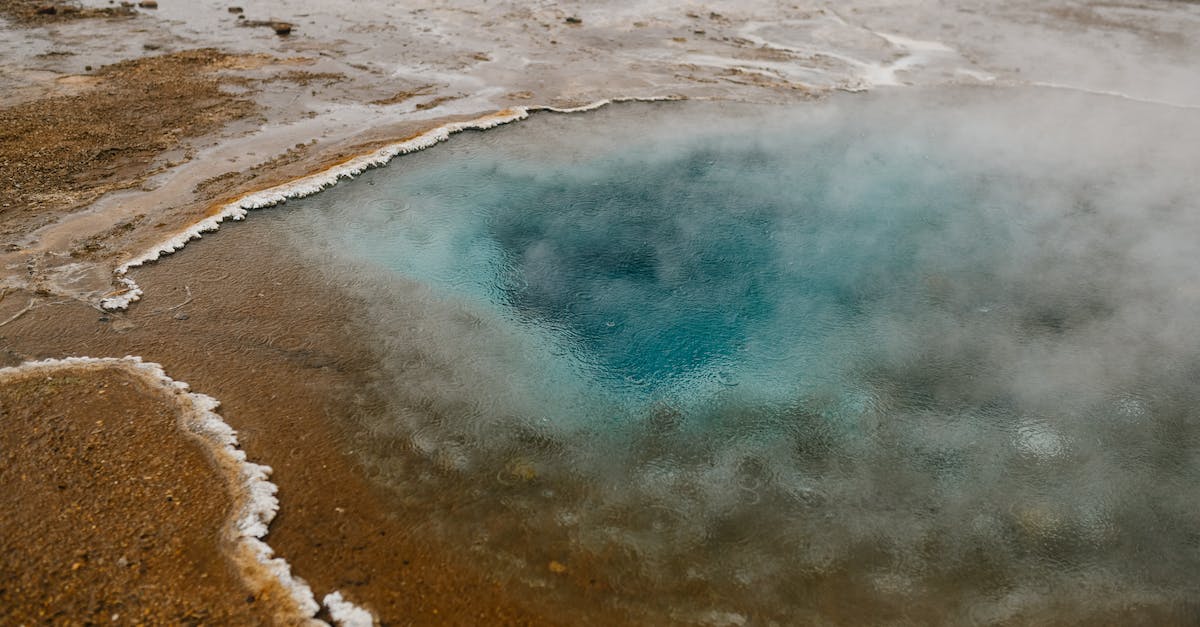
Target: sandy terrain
112	512
122	126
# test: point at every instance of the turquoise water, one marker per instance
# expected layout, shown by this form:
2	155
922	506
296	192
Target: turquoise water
940	347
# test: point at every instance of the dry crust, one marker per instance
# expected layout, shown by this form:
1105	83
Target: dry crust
61	153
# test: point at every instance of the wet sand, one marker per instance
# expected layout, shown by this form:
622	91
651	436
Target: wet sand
184	113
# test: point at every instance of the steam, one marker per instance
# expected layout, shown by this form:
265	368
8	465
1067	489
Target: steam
937	346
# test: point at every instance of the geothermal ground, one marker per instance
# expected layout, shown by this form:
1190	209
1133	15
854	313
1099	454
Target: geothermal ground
122	128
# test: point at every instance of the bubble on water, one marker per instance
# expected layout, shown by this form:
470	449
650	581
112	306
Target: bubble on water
1037	438
1132	408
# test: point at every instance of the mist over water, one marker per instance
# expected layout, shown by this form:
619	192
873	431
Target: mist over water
899	355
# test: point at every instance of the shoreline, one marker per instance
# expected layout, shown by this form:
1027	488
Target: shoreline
318	181
323	179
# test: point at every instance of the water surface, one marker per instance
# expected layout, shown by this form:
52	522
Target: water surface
887	357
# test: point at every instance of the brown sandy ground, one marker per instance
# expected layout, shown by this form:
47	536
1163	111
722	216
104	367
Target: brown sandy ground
129	121
109	512
61	153
122	124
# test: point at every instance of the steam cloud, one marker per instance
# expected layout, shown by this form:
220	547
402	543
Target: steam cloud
938	347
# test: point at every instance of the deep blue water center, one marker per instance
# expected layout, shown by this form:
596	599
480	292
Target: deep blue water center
656	271
662	269
660	273
937	345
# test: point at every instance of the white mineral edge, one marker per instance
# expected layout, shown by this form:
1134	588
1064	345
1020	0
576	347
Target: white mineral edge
346	613
259	503
314	183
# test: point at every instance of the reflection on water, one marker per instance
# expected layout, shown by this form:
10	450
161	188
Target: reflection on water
903	355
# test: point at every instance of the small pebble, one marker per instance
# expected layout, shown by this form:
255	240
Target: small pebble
181	316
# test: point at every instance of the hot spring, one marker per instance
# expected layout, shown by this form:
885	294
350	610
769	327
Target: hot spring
903	356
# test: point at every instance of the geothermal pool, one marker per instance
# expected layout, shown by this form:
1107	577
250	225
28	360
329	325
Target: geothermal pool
908	354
